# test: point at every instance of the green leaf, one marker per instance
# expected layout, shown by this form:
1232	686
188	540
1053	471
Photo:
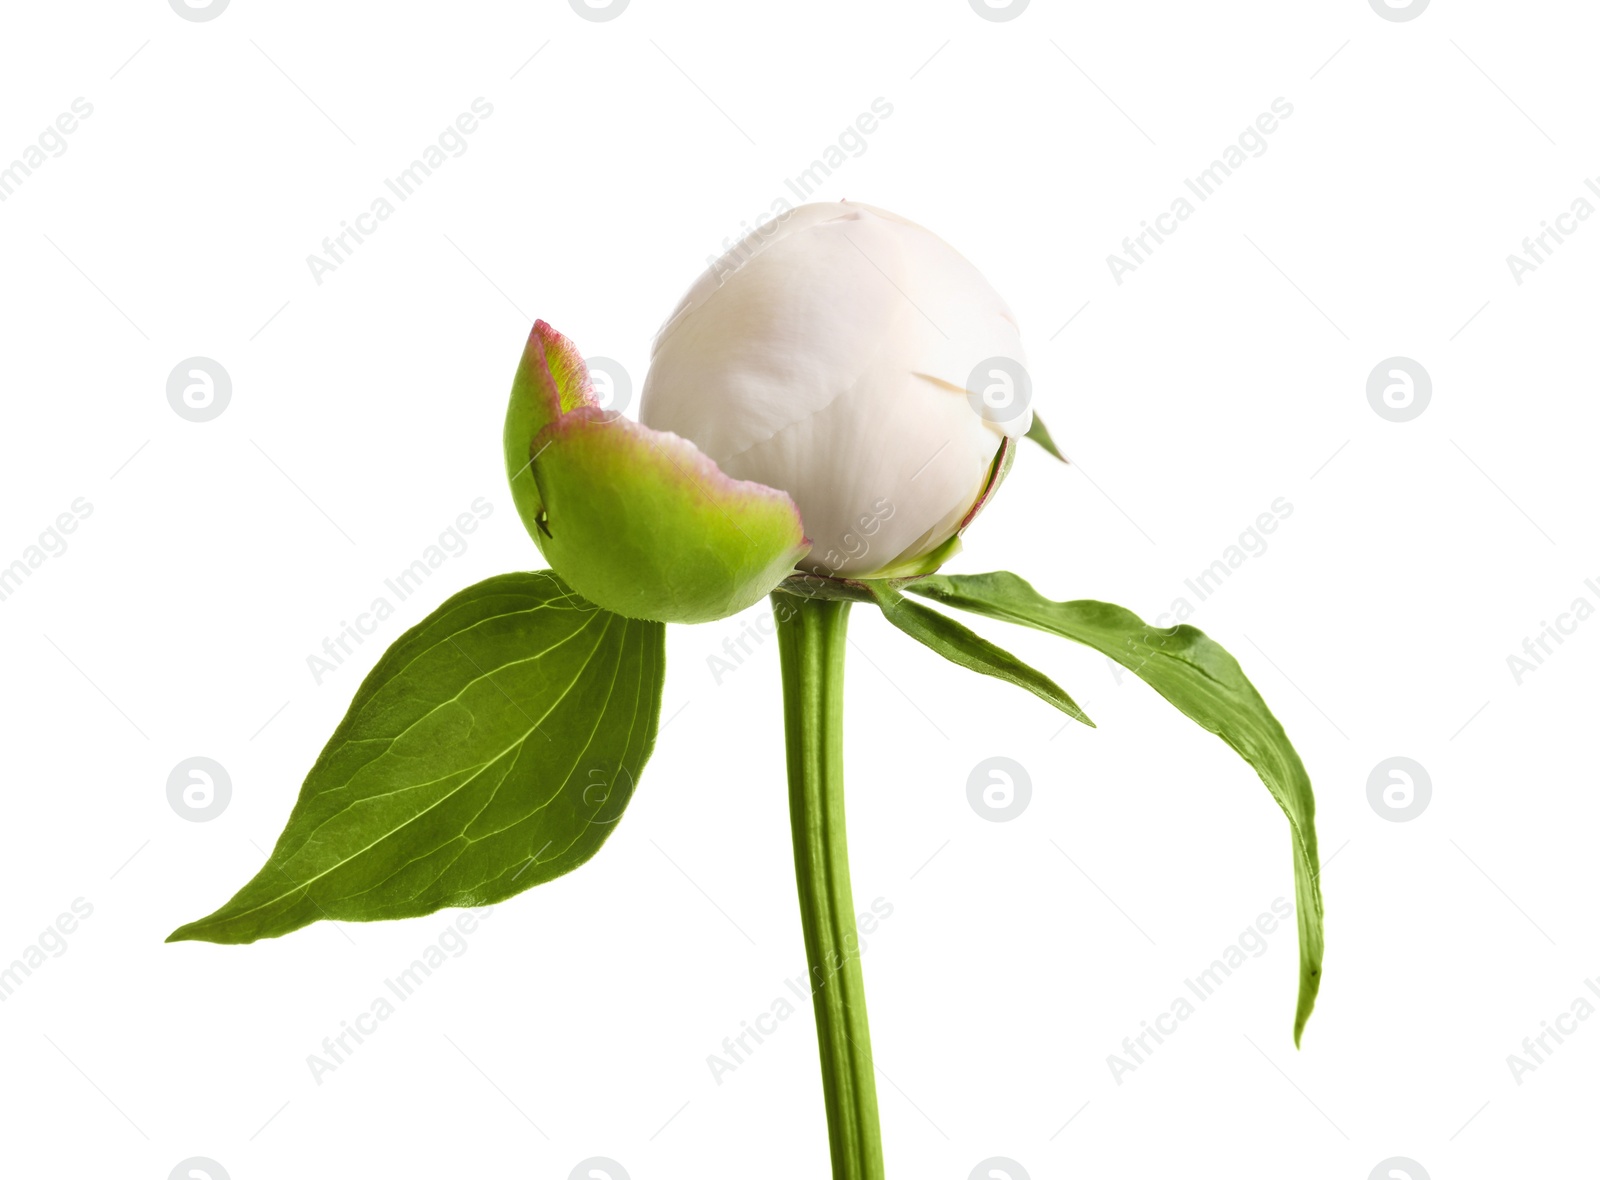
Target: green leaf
961	646
1040	434
1207	685
493	748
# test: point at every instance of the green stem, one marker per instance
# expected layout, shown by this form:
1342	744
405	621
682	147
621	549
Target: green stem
811	647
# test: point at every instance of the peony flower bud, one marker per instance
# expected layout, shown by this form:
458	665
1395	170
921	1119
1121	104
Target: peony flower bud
854	360
840	394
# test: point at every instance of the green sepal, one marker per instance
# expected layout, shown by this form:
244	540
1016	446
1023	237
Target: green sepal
638	521
962	646
1040	434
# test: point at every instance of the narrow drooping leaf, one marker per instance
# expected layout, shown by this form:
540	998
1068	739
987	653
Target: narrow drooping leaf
962	646
492	748
1207	685
1040	433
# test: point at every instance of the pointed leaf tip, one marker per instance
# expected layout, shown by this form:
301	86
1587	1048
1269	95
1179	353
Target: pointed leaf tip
1040	434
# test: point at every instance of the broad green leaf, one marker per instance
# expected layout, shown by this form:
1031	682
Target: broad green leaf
1207	685
493	748
961	646
1040	434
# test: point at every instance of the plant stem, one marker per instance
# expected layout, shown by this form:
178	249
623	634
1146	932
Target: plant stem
811	634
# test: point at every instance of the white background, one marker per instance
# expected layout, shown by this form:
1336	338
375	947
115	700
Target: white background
1229	370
